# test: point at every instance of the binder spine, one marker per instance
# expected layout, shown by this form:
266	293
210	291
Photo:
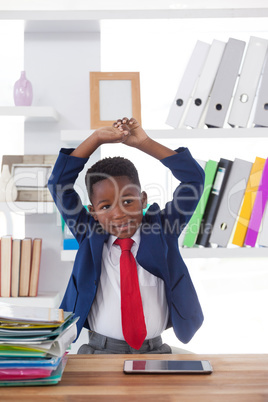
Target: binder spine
261	112
248	82
195	222
230	203
223	171
187	84
248	202
224	84
204	84
258	209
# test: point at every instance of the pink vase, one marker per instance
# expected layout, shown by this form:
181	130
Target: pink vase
23	91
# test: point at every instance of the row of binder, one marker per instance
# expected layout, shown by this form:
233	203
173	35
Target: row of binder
223	83
233	207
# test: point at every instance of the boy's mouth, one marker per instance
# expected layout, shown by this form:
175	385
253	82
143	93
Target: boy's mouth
123	227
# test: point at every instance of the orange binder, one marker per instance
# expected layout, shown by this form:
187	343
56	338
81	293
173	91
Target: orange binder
248	201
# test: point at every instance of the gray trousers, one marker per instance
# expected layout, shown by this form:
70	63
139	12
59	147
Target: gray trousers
100	344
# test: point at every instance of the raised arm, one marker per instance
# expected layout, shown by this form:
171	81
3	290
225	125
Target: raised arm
101	136
136	137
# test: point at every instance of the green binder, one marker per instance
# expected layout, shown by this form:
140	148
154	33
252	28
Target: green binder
195	221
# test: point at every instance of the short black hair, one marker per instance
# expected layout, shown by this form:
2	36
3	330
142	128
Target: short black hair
110	167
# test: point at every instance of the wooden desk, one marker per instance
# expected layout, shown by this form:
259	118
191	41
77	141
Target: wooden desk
242	378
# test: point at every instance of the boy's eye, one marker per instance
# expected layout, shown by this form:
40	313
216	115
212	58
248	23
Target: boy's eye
128	201
104	207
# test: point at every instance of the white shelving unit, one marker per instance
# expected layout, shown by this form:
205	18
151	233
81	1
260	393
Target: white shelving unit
31	113
49	27
44	299
22	208
243	252
82	10
76	136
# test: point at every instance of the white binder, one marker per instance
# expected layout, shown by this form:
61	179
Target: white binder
186	86
230	202
248	82
224	84
204	84
261	112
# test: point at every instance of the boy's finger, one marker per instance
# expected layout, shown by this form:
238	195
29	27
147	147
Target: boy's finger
132	121
125	120
124	127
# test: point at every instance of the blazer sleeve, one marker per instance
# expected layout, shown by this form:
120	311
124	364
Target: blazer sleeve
189	173
67	200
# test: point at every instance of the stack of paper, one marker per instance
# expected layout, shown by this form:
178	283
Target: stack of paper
34	344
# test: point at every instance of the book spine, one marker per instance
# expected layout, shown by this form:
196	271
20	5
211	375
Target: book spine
35	267
25	265
15	269
6	257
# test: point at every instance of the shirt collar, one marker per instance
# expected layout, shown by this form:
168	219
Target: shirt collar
136	238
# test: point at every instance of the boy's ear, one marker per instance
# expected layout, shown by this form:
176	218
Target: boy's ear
144	199
92	212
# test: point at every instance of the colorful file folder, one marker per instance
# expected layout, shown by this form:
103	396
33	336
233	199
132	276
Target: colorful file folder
195	221
230	203
248	202
223	171
263	235
258	209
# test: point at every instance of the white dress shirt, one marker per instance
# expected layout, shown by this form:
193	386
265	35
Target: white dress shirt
105	314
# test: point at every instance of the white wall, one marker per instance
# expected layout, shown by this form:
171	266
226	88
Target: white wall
58	65
11	129
232	292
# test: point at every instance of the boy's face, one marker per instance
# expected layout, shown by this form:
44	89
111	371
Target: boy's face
117	205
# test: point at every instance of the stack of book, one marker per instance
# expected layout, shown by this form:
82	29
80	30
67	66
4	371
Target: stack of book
233	208
19	266
34	344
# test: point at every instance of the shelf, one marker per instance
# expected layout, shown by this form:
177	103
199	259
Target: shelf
28	208
68	255
76	136
31	113
240	252
43	299
139	9
236	252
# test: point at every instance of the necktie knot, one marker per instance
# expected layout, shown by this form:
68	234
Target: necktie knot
125	244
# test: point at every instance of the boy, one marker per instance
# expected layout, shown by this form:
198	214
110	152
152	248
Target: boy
165	296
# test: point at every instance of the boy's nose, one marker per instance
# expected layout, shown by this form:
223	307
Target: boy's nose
118	212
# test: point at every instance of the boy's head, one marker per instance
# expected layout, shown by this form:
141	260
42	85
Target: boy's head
115	194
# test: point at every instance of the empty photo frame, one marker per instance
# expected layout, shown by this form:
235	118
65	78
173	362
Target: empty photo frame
113	96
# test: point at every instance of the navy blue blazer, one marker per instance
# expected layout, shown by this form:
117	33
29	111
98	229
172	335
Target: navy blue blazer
158	252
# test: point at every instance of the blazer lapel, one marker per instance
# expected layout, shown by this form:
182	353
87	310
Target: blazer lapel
97	240
152	255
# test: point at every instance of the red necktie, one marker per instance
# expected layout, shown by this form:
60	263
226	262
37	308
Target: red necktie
133	323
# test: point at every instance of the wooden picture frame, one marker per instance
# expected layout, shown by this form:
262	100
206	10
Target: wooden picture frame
114	95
